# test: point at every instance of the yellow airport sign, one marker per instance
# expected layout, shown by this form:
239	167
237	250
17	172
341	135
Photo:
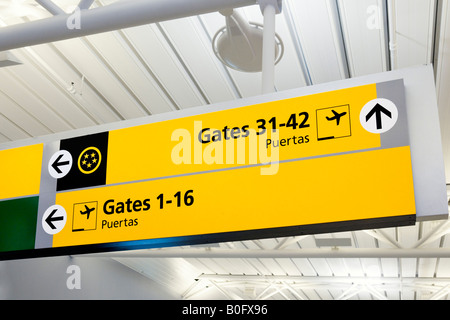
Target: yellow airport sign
240	136
310	192
282	167
331	161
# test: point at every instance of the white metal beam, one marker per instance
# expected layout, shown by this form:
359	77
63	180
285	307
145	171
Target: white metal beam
119	15
301	253
268	52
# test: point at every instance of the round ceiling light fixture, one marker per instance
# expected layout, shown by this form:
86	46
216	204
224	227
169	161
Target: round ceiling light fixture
239	44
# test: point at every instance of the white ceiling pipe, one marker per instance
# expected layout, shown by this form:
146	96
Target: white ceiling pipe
268	54
269	9
119	15
303	253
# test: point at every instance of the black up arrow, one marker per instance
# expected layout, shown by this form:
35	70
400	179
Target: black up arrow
50	219
377	110
56	164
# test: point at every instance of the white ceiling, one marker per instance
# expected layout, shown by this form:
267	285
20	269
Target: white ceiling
168	66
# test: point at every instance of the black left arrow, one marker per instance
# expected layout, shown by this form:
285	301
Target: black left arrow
50	219
56	164
377	111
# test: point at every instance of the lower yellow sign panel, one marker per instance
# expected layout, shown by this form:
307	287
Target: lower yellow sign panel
379	185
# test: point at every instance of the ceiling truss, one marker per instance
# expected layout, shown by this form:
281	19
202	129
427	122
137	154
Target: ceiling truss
263	287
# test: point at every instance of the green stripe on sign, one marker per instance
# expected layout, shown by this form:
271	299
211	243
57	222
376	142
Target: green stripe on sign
18	219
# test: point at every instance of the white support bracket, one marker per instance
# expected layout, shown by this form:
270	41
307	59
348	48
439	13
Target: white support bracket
277	4
118	15
269	8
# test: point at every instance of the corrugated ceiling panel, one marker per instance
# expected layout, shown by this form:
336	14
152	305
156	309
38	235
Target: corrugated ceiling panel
372	267
305	267
407	294
122	60
354	267
364	34
233	266
174	273
429	229
443	83
415	30
199	265
158	55
444	267
3	138
409	236
247	266
321	267
408	267
289	267
385	238
17	110
212	266
392	294
426	267
362	240
30	100
248	244
331	293
48	103
90	65
338	267
192	43
88	100
313	21
10	130
311	294
389	267
273	266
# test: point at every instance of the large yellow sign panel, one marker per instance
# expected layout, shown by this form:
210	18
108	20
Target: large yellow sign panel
279	168
241	136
